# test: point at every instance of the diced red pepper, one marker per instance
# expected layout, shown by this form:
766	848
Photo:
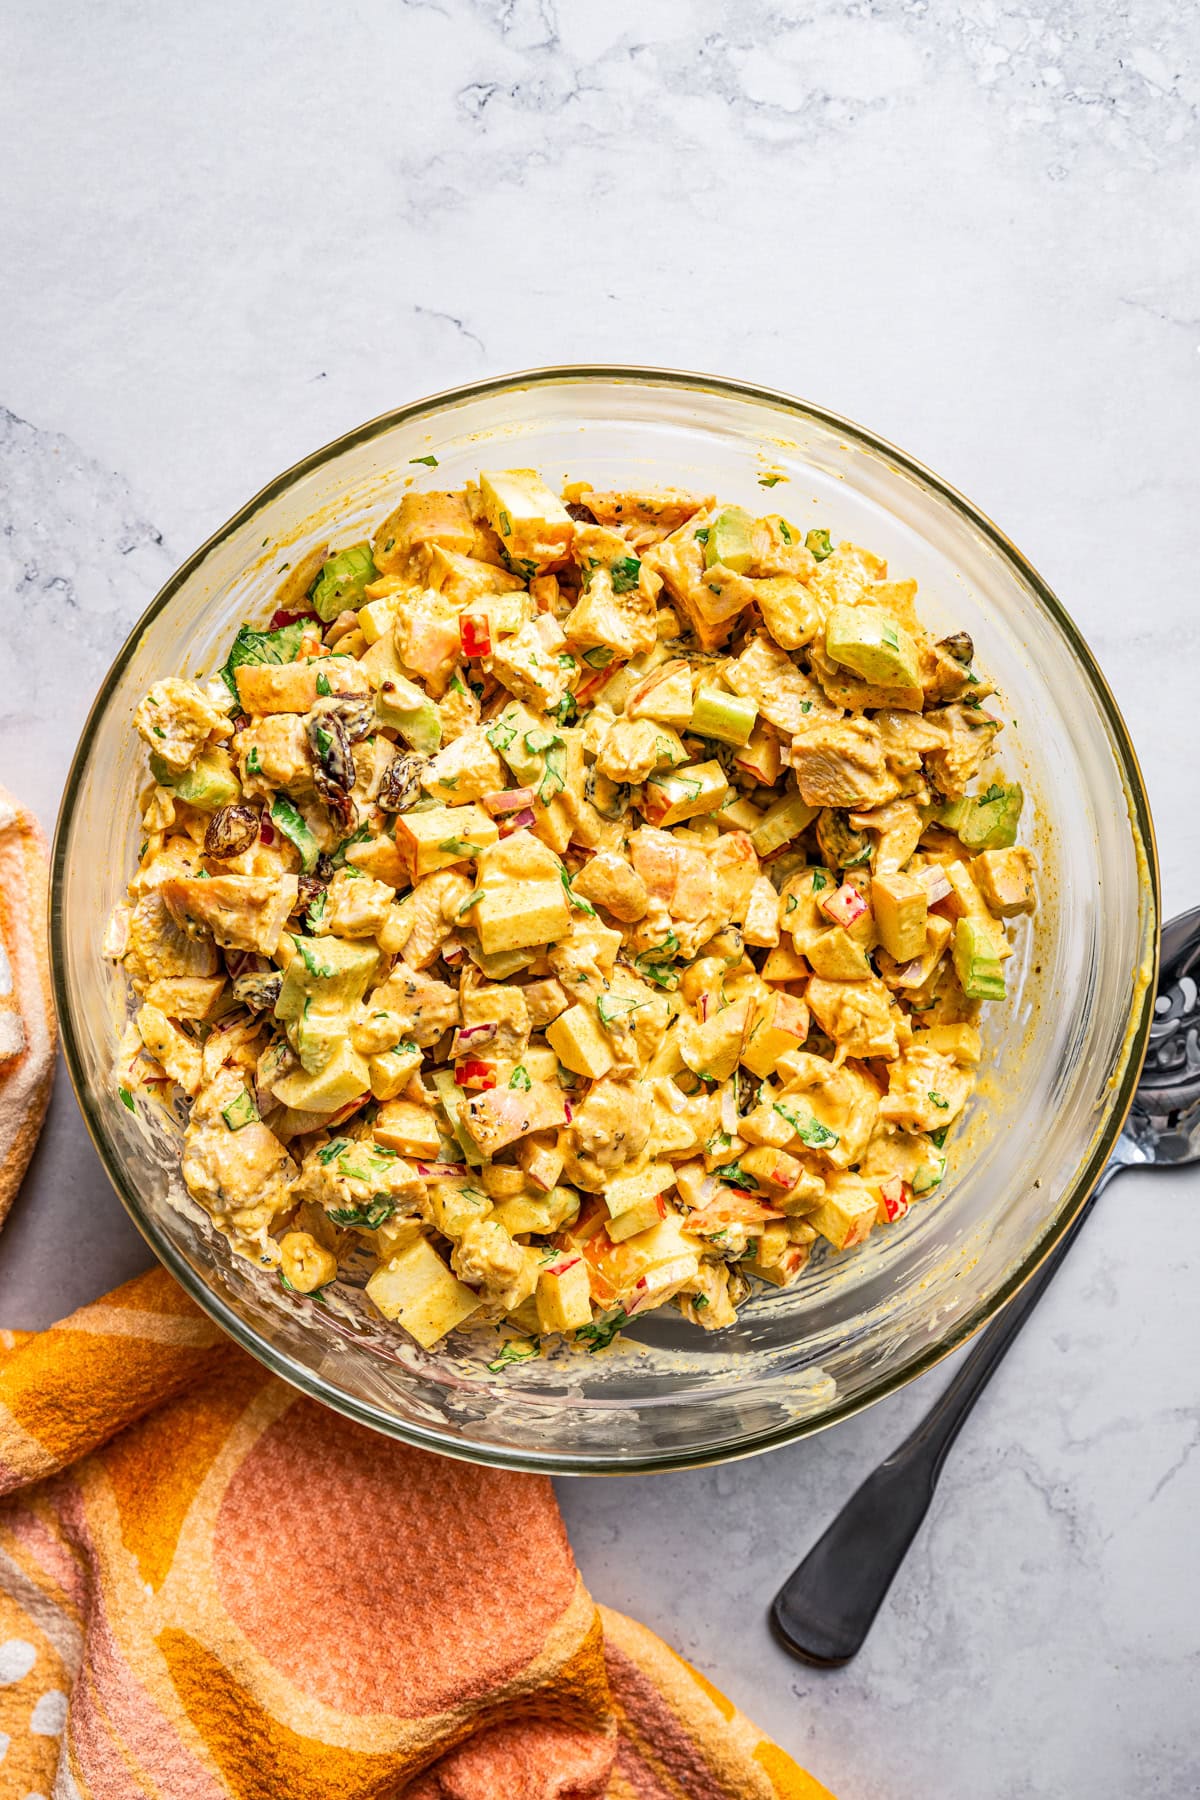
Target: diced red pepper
895	1198
475	633
284	617
844	905
561	1264
475	1074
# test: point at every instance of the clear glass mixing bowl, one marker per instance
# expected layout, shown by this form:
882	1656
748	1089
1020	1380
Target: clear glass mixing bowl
1061	1057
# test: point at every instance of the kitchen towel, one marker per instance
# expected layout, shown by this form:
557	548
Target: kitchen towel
212	1588
27	1031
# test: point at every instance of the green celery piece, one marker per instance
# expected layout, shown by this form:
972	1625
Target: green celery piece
342	581
727	717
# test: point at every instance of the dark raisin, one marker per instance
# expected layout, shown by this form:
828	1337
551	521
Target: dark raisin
230	831
959	646
401	784
582	515
330	744
258	992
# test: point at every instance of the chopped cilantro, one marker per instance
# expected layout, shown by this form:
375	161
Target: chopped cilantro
600	1334
936	1100
505	525
262	647
769	481
127	1099
431	462
323	687
625	574
819	881
369	1217
516	1350
584	906
253	761
808	1128
737	1177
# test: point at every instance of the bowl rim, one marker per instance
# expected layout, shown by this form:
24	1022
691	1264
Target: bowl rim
920	1361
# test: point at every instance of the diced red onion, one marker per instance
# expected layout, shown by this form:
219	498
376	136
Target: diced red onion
440	1171
516	822
568	1114
729	1111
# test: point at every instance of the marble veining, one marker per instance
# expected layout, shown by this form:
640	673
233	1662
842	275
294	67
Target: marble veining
969	223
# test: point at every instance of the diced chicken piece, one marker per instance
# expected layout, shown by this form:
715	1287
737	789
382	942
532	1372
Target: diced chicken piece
465	580
486	1256
464	770
607	880
833	1111
426	638
425	1007
645	516
242	1176
274	753
178	1054
533	666
966	743
925	1091
789	611
177	719
858	1015
243	912
420	521
633	748
355	906
842	764
545	1001
766	674
161	948
610	1128
431	911
602	618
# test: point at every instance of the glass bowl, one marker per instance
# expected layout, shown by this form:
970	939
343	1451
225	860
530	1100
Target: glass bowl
1062	1056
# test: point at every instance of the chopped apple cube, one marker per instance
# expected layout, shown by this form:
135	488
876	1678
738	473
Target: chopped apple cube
416	1290
444	835
564	1301
580	1044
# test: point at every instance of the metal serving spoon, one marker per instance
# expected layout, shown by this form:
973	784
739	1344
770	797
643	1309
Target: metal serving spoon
826	1607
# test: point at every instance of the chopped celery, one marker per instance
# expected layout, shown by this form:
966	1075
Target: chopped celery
727	717
342	581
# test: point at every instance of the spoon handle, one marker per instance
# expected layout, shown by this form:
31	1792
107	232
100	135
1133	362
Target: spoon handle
825	1608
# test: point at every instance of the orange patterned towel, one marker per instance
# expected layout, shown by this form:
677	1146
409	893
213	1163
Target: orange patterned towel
213	1589
27	1030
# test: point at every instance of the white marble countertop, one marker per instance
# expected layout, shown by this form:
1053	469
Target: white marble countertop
970	225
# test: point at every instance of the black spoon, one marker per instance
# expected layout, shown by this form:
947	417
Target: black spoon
827	1605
